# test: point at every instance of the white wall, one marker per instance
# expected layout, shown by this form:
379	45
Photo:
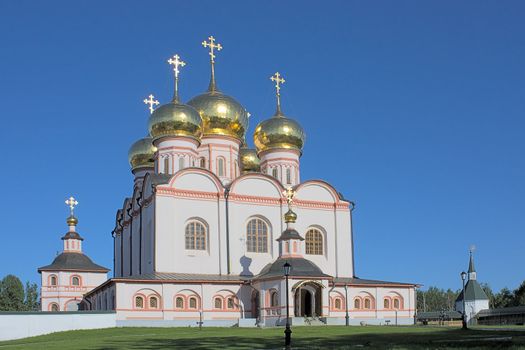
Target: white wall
16	325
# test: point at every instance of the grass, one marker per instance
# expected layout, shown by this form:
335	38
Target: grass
324	337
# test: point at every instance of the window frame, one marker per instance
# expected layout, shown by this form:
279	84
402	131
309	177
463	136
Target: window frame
314	241
257	236
195	240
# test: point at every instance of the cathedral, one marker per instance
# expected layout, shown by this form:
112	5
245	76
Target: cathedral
215	233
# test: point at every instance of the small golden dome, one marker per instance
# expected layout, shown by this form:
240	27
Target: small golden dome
250	162
290	216
72	221
279	132
221	114
141	153
175	119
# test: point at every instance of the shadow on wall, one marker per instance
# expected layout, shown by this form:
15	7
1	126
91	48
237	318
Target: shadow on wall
245	263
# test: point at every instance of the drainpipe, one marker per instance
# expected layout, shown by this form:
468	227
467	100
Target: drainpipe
226	195
114	251
130	213
352	207
140	234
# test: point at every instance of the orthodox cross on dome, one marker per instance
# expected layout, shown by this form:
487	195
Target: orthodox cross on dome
150	101
289	193
176	62
71	203
212	45
472	248
278	79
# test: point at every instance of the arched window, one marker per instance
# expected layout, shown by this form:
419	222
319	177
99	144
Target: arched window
75	281
218	303
54	307
231	303
193	303
153	302
257	236
181	163
275	173
357	304
179	303
386	304
195	236
220	166
337	303
368	304
202	162
288	176
314	242
53	280
166	165
139	302
274	299
396	303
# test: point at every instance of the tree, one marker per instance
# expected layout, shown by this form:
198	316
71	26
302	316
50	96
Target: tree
519	295
486	288
436	299
504	298
11	294
31	302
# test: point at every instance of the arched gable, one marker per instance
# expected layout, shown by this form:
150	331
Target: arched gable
196	179
258	185
126	206
316	190
147	186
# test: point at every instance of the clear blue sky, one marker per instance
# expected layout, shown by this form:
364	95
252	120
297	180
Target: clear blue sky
415	110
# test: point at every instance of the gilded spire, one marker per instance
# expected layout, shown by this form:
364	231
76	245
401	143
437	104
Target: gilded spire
211	44
176	62
151	101
278	79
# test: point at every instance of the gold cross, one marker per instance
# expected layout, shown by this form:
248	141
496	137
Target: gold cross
289	193
151	102
176	62
278	78
212	47
71	203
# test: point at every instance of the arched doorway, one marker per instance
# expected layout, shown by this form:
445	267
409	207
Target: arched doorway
308	300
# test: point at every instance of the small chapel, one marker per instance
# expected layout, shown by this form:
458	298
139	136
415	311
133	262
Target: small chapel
210	226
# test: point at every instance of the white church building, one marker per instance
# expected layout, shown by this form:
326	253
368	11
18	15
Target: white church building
210	223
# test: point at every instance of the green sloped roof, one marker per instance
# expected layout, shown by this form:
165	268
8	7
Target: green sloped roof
473	291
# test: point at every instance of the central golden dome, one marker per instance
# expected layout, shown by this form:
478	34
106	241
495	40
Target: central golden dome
278	132
220	114
141	154
175	119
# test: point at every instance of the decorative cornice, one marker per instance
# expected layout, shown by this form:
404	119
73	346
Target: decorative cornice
173	192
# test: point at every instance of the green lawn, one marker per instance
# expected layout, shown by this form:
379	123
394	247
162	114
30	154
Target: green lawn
327	337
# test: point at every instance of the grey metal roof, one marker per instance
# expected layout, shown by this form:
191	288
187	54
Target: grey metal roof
504	311
438	315
360	281
300	268
68	261
158	179
168	276
288	234
473	291
72	235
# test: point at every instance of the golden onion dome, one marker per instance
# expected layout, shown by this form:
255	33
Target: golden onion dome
175	119
72	220
278	132
290	216
221	114
250	162
141	153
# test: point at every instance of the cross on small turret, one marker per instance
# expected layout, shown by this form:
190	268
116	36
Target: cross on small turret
289	193
211	44
71	203
151	102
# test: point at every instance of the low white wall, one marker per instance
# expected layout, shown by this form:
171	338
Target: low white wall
16	325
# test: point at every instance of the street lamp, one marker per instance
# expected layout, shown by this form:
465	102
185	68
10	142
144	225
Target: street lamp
463	278
287	332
